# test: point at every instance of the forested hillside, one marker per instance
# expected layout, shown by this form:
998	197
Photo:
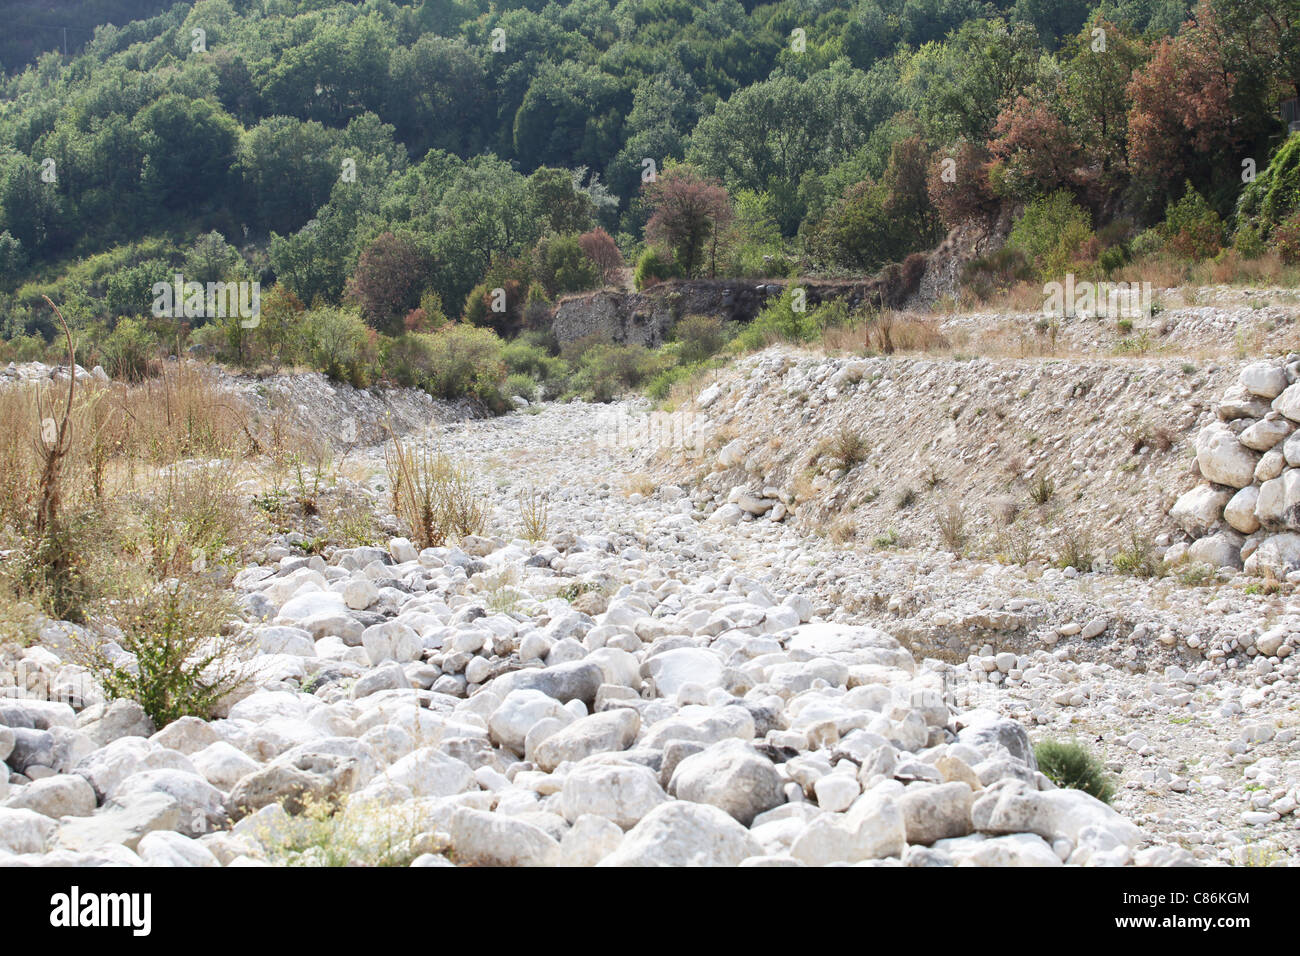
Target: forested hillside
400	161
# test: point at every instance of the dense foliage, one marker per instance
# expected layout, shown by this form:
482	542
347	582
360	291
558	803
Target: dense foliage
393	166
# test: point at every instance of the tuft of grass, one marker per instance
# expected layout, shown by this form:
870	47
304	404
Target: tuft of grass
883	542
1138	556
348	832
534	515
906	498
1041	491
435	497
1076	547
951	521
848	447
1070	764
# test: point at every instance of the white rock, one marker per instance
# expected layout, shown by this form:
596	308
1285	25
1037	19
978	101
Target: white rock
684	834
166	848
1223	459
1240	510
620	793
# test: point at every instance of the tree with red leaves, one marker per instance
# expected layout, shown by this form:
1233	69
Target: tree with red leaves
959	184
690	210
1182	118
598	246
388	280
1035	152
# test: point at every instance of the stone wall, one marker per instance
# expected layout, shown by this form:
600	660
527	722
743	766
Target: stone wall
645	318
1247	512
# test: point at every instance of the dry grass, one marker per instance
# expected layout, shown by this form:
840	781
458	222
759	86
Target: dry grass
639	483
886	333
951	522
435	497
534	515
848	447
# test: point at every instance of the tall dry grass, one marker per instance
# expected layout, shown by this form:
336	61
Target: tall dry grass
434	496
131	489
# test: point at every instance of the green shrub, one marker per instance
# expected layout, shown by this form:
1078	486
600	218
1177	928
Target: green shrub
1070	765
337	343
605	371
652	267
129	351
778	322
520	385
23	348
1249	241
1051	233
561	266
1286	239
1274	196
700	337
662	384
185	665
524	358
1192	230
1146	243
1111	258
130	290
408	359
465	360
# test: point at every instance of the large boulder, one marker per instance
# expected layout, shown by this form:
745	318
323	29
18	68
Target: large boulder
1222	458
684	834
575	680
936	813
732	776
479	838
1012	806
872	829
517	714
1277	554
671	670
622	793
611	730
850	644
1264	379
1199	510
1278	504
1239	512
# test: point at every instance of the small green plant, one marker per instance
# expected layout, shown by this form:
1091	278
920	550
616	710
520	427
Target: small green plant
348	832
183	663
848	447
1076	547
1071	765
1195	575
883	542
503	595
1041	491
1138	556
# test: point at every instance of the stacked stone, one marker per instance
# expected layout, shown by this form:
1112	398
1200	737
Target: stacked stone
1247	514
